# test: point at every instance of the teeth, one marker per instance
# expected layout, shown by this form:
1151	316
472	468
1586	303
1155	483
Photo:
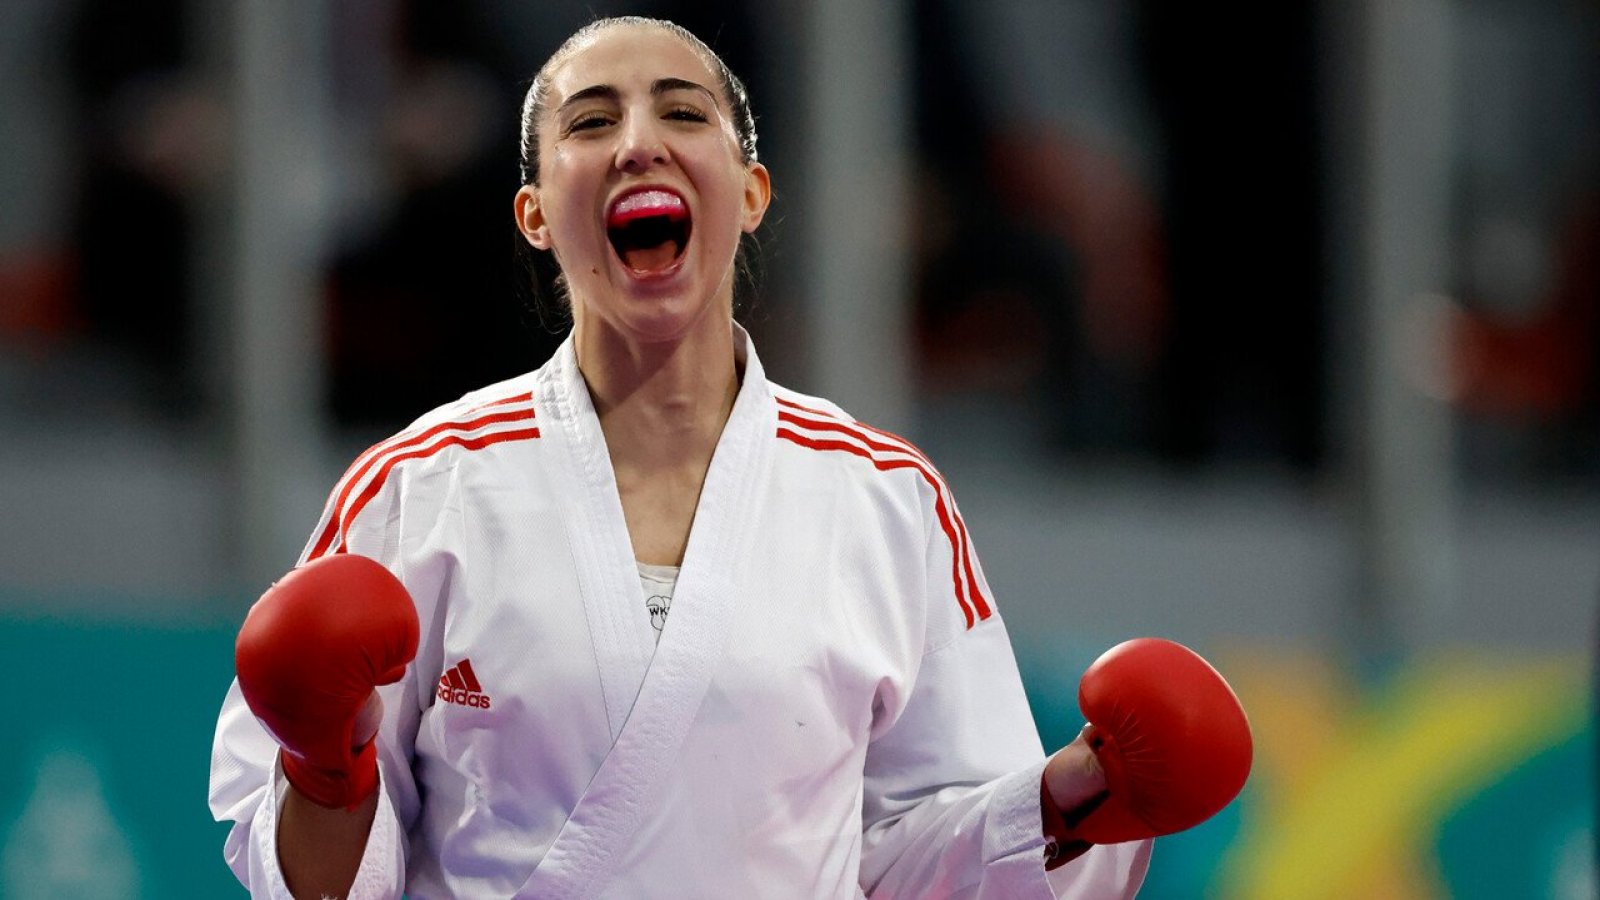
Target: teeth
653	201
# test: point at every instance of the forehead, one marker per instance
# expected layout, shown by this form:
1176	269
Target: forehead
629	57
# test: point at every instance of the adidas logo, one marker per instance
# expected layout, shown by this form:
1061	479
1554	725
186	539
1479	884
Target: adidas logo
459	685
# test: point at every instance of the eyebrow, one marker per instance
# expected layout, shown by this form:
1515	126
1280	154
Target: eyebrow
657	88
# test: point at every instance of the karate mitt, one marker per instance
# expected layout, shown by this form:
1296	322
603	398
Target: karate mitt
310	653
1170	735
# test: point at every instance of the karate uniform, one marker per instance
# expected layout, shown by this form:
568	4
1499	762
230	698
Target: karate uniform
832	708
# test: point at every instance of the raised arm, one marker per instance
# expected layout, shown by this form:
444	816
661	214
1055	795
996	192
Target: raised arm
309	657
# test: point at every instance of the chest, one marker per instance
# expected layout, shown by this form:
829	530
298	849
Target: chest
659	511
824	609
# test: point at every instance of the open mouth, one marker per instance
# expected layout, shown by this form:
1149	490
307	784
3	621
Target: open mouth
649	230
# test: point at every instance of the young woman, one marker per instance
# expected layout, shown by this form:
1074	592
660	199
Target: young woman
677	631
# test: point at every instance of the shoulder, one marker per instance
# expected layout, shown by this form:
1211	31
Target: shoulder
807	420
795	401
502	413
836	438
477	427
503	401
899	479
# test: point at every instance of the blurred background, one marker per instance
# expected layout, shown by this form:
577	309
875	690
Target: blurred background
1273	332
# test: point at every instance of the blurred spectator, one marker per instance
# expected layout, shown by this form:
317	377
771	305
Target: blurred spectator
422	307
1239	106
152	133
1042	243
1131	191
1526	324
36	164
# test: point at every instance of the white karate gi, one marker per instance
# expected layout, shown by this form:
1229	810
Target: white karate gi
832	709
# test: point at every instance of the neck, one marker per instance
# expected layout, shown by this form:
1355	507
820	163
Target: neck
662	405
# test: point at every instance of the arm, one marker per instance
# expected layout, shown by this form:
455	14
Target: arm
953	801
320	849
270	821
248	788
310	656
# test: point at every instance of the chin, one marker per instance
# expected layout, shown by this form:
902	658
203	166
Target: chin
669	318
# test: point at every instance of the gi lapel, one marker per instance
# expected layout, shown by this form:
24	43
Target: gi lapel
589	847
597	532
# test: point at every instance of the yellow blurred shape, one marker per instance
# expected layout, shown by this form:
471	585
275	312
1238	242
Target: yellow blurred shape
1349	801
1296	703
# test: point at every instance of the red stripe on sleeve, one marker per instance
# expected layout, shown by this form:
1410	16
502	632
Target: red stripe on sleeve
340	526
984	610
815	412
960	541
367	460
966	540
887	465
504	401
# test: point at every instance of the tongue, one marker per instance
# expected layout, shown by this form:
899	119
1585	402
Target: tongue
651	259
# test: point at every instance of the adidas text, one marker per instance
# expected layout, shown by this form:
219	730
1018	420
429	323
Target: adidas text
463	697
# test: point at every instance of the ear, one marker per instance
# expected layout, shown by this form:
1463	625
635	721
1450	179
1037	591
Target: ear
530	217
757	194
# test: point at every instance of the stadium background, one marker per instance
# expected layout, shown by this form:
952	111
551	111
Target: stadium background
1273	332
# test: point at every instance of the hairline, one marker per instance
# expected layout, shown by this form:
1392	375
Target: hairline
707	57
586	37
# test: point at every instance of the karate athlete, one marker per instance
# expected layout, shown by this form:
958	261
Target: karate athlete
643	624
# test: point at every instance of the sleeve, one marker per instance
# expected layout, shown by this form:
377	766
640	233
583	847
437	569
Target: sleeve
951	806
247	785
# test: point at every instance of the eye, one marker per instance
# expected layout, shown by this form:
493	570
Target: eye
587	122
685	114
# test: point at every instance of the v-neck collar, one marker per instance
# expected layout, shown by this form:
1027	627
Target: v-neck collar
598	532
651	702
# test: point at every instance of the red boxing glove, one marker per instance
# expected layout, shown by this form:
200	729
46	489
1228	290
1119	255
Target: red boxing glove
308	657
1169	733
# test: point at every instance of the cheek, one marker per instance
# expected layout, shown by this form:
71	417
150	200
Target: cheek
567	194
723	196
566	226
572	232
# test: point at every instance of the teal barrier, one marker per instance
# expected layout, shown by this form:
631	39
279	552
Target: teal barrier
108	739
1530	834
107	749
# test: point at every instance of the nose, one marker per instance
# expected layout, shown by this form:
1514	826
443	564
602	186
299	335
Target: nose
641	145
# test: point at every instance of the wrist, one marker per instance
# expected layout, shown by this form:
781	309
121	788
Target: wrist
1061	842
333	788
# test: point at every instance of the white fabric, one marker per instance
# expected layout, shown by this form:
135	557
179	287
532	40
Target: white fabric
832	710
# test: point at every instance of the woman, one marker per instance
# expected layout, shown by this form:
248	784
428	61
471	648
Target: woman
679	631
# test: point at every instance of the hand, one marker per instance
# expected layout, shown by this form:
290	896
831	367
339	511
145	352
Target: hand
1169	740
1073	776
309	656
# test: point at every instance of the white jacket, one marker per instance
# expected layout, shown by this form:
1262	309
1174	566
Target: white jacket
832	710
